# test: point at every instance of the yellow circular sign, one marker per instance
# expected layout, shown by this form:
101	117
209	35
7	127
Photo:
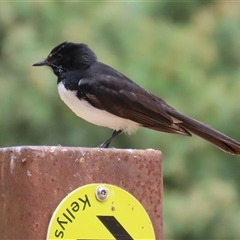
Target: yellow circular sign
100	212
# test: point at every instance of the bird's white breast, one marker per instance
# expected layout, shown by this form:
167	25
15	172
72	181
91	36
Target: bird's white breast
93	115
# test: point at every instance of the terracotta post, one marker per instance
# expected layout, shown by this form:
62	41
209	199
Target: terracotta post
35	179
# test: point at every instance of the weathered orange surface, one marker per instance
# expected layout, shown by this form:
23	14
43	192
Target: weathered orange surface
35	179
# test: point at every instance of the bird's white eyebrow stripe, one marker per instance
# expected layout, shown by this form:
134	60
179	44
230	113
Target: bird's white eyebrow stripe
79	83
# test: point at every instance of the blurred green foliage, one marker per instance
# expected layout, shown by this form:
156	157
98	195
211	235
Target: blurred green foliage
186	52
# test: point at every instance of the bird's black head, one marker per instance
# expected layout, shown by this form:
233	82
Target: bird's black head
69	56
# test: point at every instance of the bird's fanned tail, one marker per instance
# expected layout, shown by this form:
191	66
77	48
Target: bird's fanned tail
219	139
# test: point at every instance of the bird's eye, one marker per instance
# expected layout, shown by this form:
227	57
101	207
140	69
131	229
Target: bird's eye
59	56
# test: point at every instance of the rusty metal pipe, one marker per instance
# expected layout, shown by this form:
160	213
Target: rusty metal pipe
35	179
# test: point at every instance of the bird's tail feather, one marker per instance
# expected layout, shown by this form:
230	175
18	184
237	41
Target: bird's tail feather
219	139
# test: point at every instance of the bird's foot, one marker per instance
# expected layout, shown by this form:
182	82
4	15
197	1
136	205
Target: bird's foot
104	145
107	142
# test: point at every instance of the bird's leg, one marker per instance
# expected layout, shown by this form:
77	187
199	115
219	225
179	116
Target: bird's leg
108	141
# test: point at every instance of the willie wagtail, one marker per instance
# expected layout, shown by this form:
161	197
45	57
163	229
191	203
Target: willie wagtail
105	97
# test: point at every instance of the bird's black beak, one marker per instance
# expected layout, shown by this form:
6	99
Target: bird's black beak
41	63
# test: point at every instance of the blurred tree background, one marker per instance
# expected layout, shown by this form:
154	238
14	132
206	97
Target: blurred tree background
186	52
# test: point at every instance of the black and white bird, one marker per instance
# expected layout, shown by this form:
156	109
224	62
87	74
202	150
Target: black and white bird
105	97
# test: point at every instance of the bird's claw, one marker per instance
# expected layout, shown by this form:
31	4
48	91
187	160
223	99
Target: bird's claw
104	145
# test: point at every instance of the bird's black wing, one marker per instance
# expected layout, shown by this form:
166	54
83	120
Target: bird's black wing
115	93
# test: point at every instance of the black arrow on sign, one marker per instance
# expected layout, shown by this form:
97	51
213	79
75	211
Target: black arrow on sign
115	228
